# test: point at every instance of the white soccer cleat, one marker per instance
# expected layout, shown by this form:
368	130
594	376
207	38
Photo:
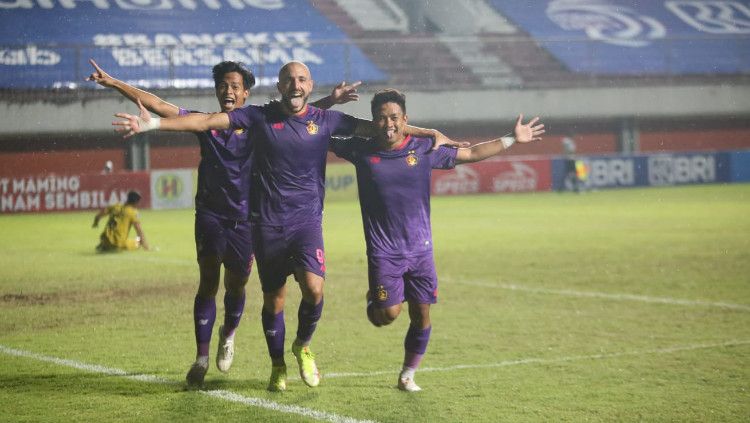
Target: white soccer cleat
408	385
225	355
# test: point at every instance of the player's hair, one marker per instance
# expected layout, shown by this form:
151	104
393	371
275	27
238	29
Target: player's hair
388	95
223	68
133	197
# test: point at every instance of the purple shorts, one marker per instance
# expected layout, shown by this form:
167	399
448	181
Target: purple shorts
279	250
230	240
395	280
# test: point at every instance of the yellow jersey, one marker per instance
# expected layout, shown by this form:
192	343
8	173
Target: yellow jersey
115	235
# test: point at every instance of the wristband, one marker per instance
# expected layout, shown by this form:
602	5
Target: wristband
507	141
151	125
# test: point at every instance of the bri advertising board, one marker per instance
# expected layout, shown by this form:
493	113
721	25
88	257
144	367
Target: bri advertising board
170	43
53	193
740	166
649	170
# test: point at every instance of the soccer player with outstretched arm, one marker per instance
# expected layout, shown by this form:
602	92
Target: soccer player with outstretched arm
393	178
291	139
223	232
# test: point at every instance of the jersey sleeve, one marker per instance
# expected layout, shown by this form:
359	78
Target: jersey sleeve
244	117
340	123
185	112
343	147
443	158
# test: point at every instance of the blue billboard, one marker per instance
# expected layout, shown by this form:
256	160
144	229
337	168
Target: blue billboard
170	43
740	166
620	37
649	170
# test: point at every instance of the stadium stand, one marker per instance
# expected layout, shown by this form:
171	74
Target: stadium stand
463	63
393	50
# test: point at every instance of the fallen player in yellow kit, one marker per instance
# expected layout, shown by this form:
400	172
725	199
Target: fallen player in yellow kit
121	218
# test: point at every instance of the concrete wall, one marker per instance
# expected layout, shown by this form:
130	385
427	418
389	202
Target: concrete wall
436	108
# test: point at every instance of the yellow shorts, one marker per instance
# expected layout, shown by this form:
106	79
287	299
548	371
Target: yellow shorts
130	244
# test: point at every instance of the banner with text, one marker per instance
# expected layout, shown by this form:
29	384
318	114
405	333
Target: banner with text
48	193
341	181
170	43
740	166
494	176
648	170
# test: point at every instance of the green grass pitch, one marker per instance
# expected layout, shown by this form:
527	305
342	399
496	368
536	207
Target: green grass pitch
623	305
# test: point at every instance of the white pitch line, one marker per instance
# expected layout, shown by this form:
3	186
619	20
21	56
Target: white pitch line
619	297
291	409
532	360
220	394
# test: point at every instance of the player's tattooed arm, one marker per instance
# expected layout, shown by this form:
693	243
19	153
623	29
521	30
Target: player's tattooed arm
153	103
341	94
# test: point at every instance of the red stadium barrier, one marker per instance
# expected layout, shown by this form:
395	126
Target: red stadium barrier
54	193
492	176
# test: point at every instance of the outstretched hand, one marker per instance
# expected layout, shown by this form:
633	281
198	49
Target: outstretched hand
442	139
343	93
528	132
99	76
132	124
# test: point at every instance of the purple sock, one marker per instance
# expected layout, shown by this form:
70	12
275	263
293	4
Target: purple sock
415	345
308	315
275	331
233	307
204	315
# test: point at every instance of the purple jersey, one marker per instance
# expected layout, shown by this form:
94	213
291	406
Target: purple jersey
394	192
224	173
290	160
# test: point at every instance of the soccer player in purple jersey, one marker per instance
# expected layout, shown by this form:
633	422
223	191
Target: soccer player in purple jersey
393	178
291	139
222	228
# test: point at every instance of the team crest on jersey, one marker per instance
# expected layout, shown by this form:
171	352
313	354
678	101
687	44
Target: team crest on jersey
239	131
381	294
411	159
312	128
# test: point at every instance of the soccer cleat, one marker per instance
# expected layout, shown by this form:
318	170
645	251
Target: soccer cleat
278	379
196	374
225	355
408	385
308	371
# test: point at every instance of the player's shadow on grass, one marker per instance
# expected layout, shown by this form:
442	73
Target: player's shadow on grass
251	387
234	385
60	386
